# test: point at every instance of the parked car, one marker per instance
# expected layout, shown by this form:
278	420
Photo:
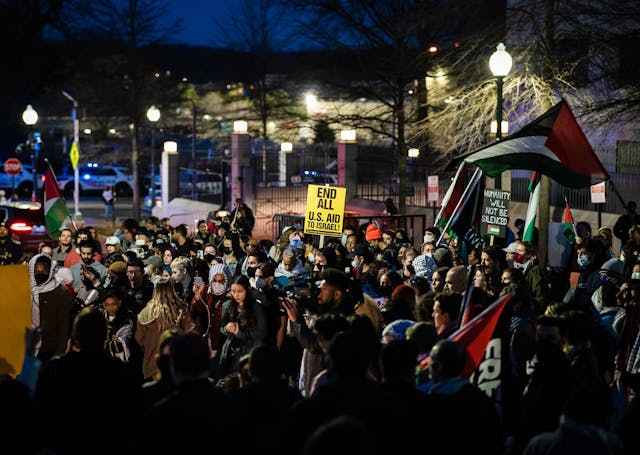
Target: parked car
23	181
316	178
94	177
26	222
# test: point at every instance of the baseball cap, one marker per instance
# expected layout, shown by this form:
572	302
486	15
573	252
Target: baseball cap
154	260
112	240
511	248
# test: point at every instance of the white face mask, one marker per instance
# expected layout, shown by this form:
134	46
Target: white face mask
343	240
311	258
218	288
429	238
635	276
354	263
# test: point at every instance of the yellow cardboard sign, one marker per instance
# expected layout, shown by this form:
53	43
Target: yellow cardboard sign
15	316
74	155
325	210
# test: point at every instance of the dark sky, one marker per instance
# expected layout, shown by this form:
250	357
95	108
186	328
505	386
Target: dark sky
197	17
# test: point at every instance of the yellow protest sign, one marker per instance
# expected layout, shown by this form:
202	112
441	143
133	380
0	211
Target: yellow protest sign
74	155
325	210
15	316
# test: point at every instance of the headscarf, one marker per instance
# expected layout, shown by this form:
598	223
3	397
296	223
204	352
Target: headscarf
37	289
220	269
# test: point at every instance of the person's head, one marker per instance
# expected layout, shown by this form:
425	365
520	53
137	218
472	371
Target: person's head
168	255
492	256
289	259
264	363
189	358
180	234
631	207
398	361
388	236
89	331
583	229
351	242
240	289
549	330
203	228
112	244
129	228
65	237
447	361
42	269
333	288
474	257
438	279
181	269
373	234
163	355
424	335
446	308
456	279
45	248
112	303
135	272
87	249
82	234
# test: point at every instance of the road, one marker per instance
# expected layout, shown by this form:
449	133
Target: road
92	209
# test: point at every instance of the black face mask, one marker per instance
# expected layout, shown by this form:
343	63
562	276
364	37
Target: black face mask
41	278
227	250
251	272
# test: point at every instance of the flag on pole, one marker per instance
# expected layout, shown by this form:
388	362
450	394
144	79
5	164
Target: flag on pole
476	334
465	220
532	208
55	209
451	197
568	226
553	144
467	306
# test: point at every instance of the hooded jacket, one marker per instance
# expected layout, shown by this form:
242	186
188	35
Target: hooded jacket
50	311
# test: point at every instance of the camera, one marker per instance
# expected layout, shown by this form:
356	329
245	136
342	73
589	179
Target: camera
301	288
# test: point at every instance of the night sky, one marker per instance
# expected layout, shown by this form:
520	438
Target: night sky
197	17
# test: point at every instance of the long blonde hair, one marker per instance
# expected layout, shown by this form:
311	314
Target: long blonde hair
165	306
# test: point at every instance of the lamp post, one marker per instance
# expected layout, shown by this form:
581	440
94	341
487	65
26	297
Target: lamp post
30	118
153	115
76	170
500	64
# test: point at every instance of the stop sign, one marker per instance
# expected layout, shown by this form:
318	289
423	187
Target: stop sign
12	166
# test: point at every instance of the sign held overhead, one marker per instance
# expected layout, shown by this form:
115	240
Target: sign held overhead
325	210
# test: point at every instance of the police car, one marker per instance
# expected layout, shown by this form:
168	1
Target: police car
94	177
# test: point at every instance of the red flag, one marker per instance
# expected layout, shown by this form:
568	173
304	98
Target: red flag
467	305
568	226
452	196
476	335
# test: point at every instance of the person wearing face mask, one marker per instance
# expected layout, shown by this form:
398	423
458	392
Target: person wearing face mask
50	306
525	260
206	305
589	278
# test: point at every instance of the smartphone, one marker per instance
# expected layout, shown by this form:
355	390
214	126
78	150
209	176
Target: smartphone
198	281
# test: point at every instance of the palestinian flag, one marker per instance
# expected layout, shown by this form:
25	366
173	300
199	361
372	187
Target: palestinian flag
451	197
553	145
55	209
476	334
532	208
465	220
568	226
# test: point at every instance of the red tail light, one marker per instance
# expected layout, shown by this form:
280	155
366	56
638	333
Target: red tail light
19	226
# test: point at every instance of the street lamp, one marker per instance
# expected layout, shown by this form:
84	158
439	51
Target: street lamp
153	115
30	118
500	64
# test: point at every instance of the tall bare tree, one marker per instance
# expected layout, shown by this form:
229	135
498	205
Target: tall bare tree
122	77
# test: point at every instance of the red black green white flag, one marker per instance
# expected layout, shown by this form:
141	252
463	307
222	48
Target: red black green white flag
55	208
568	226
553	144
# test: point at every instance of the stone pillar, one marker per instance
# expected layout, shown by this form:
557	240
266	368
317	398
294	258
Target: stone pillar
241	169
347	169
170	173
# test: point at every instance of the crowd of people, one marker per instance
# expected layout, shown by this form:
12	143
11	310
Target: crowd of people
160	339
